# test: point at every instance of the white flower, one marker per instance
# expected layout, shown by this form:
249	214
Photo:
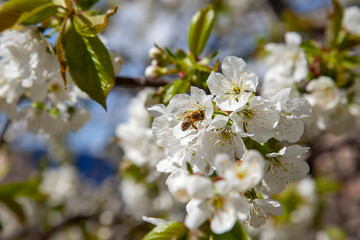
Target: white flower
28	71
117	61
243	174
220	137
153	70
136	138
136	198
154	52
25	65
331	110
275	80
180	126
155	221
222	207
186	187
39	121
351	20
59	183
232	89
290	127
288	58
78	119
180	108
323	93
338	120
259	210
285	167
258	119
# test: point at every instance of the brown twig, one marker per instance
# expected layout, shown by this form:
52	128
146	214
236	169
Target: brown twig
132	82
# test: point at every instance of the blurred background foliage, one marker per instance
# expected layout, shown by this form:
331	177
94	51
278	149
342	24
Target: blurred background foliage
79	186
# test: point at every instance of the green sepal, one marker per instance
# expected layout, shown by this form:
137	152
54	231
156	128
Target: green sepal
200	28
89	25
170	53
170	231
217	65
189	168
12	10
89	65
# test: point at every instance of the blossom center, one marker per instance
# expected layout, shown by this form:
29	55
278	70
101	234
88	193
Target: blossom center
217	202
237	90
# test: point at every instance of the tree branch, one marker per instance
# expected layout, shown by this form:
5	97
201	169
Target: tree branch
132	82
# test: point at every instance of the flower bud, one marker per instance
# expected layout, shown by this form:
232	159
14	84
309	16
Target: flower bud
152	71
154	52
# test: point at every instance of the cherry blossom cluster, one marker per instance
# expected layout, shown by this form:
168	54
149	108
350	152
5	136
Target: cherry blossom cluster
31	88
336	105
142	153
223	150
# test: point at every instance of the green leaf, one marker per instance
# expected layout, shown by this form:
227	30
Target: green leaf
310	48
88	25
14	207
12	10
336	233
351	61
38	15
200	28
334	26
349	41
177	87
236	233
170	231
22	189
86	4
327	185
89	65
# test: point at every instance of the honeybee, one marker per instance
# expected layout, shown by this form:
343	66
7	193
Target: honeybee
191	118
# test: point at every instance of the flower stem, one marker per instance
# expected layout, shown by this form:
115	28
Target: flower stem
219	112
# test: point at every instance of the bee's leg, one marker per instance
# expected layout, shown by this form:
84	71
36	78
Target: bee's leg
193	125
